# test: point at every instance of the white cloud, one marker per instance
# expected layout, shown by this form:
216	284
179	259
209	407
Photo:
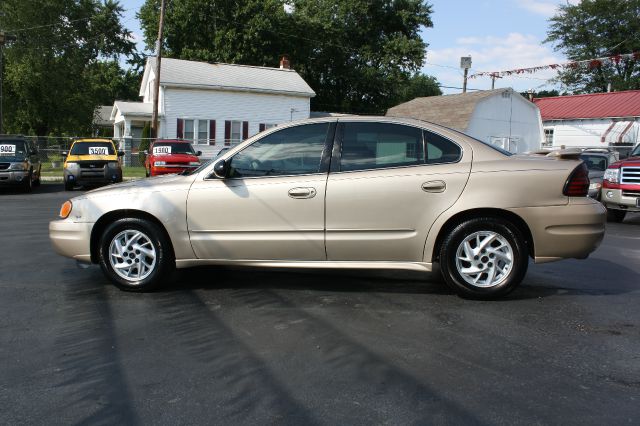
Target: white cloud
494	53
546	8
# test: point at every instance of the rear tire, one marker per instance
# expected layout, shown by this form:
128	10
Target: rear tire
136	255
484	258
37	181
614	215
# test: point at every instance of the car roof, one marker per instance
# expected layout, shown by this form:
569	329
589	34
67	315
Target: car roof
92	140
171	140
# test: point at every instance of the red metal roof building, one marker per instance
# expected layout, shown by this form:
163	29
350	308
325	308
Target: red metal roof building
597	105
593	120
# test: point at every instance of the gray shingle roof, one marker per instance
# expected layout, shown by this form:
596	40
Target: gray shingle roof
453	111
177	72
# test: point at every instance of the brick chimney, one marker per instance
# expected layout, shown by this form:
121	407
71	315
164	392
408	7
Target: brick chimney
284	62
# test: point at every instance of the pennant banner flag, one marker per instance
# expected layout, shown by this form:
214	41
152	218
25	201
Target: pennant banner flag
589	63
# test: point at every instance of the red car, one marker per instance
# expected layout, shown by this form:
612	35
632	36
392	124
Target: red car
170	156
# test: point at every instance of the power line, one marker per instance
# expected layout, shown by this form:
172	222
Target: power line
61	23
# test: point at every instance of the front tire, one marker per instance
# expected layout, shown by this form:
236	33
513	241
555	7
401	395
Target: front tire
136	255
614	215
484	258
27	186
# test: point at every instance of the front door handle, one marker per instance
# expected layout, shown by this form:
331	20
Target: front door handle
302	192
434	186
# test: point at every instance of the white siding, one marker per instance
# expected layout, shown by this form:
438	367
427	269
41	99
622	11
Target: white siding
507	117
589	132
221	106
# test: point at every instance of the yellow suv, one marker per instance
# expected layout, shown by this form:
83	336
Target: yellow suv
91	162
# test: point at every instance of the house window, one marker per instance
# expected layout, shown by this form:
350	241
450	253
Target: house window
236	131
203	132
548	137
198	131
188	129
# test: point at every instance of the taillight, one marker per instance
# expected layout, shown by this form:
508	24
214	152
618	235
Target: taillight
578	183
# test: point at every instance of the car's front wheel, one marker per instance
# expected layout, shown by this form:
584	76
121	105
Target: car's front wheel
484	258
136	255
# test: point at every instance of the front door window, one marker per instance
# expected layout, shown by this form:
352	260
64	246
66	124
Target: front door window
292	151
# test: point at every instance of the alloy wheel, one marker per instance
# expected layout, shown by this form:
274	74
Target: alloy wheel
484	259
132	255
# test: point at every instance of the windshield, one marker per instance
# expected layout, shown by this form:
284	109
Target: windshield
595	162
11	150
166	148
636	152
92	148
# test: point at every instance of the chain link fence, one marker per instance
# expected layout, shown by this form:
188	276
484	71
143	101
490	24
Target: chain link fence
51	151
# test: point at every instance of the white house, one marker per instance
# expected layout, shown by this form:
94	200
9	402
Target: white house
501	117
607	120
213	105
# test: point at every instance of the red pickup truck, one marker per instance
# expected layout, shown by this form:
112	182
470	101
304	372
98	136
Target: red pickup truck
621	187
170	156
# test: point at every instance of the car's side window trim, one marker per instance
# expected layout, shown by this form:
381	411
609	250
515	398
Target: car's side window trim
327	152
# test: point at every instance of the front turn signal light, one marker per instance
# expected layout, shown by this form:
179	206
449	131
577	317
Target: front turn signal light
65	210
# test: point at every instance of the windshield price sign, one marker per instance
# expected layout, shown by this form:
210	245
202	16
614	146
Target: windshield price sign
8	150
161	150
98	150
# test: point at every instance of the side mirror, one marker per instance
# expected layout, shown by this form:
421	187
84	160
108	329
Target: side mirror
65	153
120	153
198	153
220	169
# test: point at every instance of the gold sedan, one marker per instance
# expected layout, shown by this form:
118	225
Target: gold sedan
353	192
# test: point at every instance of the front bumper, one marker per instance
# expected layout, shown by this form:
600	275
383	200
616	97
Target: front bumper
97	176
13	177
621	199
562	232
71	239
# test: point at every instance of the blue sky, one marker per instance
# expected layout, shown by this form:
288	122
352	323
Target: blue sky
498	34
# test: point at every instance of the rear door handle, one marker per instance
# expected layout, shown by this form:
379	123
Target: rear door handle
302	192
434	186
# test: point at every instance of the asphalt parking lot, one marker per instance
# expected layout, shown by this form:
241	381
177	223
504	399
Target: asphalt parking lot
232	346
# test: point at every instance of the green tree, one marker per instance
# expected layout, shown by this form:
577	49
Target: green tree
417	86
63	63
593	29
355	54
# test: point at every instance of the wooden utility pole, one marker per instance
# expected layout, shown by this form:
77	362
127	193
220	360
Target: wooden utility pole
4	39
465	64
156	83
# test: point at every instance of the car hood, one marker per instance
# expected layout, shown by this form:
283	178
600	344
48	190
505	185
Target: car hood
153	184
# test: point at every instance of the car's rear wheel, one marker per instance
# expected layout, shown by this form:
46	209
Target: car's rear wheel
136	255
36	182
614	215
484	258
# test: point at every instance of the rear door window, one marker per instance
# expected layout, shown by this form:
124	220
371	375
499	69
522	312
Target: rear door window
380	145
